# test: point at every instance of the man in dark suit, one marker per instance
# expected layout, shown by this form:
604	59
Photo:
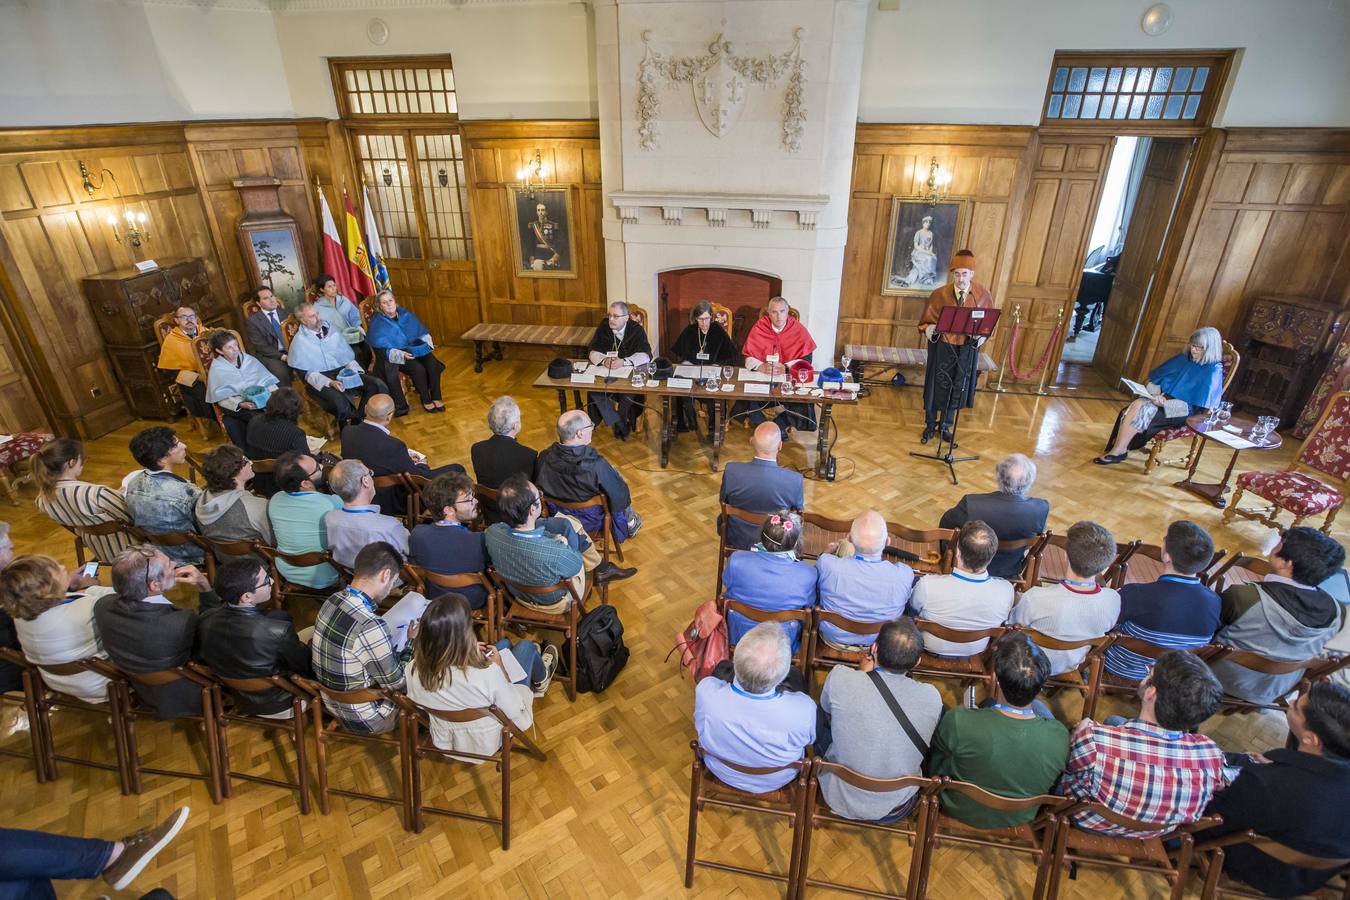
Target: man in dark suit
1009	511
760	486
501	456
143	632
384	454
262	334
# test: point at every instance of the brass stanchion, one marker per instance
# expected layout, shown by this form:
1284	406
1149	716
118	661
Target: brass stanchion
1045	370
1007	363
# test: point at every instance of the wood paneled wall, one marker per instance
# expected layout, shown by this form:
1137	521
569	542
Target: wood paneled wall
989	167
495	152
1271	216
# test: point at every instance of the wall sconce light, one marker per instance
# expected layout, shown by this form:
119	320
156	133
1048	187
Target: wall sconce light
388	177
137	228
531	175
443	178
937	183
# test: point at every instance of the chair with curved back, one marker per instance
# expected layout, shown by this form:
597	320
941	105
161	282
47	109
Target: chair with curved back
824	654
518	612
163	325
1031	548
1150	652
638	316
1314	669
102	529
602	538
1315	483
802	655
201	345
1239	569
1145	565
132	708
283	589
489	616
1230	360
1087	677
722	316
1052	560
964	669
934	547
1210	855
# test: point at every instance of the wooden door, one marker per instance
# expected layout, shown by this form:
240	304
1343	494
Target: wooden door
1057	217
1144	236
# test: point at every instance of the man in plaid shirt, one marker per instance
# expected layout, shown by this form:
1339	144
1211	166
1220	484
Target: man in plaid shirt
352	648
1153	768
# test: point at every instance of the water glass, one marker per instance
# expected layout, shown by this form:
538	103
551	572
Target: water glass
1225	411
728	373
786	388
845	362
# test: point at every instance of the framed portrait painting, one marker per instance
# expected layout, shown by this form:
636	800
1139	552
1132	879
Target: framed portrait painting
923	237
541	235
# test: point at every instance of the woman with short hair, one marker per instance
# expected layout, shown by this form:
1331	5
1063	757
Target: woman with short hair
71	502
237	383
704	342
226	510
403	344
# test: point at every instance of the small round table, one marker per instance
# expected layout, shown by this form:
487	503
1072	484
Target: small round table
1205	433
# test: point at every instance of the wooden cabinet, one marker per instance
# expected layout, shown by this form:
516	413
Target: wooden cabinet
126	303
1284	345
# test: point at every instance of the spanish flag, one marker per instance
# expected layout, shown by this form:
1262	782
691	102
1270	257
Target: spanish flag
362	282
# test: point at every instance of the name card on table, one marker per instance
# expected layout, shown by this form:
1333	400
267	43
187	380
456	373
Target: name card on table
584	378
678	383
753	388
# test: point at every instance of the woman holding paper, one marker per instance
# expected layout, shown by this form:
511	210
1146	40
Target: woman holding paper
702	343
452	671
403	343
1190	382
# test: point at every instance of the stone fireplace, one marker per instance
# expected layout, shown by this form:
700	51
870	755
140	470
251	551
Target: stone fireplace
745	293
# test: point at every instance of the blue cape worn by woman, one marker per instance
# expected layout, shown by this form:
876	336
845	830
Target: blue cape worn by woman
405	333
1199	384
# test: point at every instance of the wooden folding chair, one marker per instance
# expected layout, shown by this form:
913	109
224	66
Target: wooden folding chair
163	539
284	589
1314	669
397	482
45	699
824	654
603	538
132	709
1145	565
789	801
1114	684
219	552
965	669
724	548
333	732
422	747
1036	838
817	814
519	612
1239	569
1087	678
1210	855
490	616
102	529
25	697
1052	562
487	504
293	728
1031	547
1168	854
802	654
416	512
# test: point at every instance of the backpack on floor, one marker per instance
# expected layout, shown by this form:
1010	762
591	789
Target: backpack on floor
601	653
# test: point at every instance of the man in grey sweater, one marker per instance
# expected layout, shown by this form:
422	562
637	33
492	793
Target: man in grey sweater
867	736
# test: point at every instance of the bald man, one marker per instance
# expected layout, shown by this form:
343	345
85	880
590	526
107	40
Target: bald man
384	454
760	486
854	581
571	470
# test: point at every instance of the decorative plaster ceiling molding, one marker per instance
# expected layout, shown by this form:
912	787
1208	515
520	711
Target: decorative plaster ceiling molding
283	6
761	207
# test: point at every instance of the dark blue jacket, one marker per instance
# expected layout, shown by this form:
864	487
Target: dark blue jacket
758	486
1012	519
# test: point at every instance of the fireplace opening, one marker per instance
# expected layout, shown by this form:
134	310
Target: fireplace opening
744	293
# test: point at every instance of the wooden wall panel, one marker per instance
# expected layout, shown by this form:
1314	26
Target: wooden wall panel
989	167
1271	215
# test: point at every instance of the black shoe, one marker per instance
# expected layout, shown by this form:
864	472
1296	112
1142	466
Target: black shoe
400	413
620	432
607	572
927	435
949	436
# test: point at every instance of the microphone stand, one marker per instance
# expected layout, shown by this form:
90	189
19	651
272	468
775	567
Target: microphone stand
960	378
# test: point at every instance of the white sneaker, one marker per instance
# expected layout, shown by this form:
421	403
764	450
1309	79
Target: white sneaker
550	654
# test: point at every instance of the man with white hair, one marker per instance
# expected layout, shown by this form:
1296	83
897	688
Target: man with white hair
749	721
760	486
572	471
1009	511
618	343
358	521
501	455
856	582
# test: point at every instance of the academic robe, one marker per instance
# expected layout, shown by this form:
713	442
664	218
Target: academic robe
716	343
792	343
177	354
951	357
634	340
226	382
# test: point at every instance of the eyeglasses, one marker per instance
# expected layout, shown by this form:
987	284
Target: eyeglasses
266	582
618	315
471	500
186	318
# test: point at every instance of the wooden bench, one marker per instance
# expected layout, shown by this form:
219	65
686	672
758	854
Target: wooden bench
897	358
578	336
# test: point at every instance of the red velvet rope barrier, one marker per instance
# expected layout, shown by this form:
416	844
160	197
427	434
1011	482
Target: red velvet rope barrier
1045	357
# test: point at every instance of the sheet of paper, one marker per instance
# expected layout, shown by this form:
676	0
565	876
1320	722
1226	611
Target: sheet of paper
1136	388
1231	440
402	614
602	373
584	378
757	389
678	383
683	371
514	672
747	375
710	372
315	443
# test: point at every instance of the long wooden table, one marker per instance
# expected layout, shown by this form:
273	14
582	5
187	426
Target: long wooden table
720	405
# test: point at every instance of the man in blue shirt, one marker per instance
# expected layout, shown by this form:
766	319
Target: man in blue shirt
856	582
751	722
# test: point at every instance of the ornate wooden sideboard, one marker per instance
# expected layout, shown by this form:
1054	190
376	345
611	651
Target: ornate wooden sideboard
1284	344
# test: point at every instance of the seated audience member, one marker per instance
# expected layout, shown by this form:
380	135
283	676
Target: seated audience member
143	632
264	336
11	676
1176	611
358	521
71	502
403	344
239	640
770	576
446	546
54	618
352	648
277	430
1009	511
572	471
1296	796
856	582
864	706
371	443
1156	768
523	552
618	342
1008	747
226	510
969	598
176	354
759	486
160	501
1285	616
750	722
501	455
1078	608
238	383
342	316
452	671
319	354
297	513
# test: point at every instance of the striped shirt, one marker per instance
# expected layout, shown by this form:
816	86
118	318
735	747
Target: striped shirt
1176	612
85	503
352	650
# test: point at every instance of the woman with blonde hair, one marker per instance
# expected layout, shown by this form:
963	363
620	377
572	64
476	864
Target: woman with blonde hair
1188	383
70	502
54	617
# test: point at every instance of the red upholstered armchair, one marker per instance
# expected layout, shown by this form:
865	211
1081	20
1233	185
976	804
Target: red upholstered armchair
1230	360
1314	484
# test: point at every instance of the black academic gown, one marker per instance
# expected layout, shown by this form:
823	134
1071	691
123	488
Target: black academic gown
688	347
622	416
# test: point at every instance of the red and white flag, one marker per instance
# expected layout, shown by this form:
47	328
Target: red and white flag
335	261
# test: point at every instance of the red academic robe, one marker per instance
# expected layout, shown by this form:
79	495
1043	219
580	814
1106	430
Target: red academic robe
793	342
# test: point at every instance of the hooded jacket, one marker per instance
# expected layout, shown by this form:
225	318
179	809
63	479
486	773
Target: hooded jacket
576	473
234	516
1279	619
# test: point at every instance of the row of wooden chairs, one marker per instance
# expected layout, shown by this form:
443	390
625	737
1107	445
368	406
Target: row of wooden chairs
1050	838
411	738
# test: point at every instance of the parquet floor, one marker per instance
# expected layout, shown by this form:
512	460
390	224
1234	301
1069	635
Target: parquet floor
606	815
